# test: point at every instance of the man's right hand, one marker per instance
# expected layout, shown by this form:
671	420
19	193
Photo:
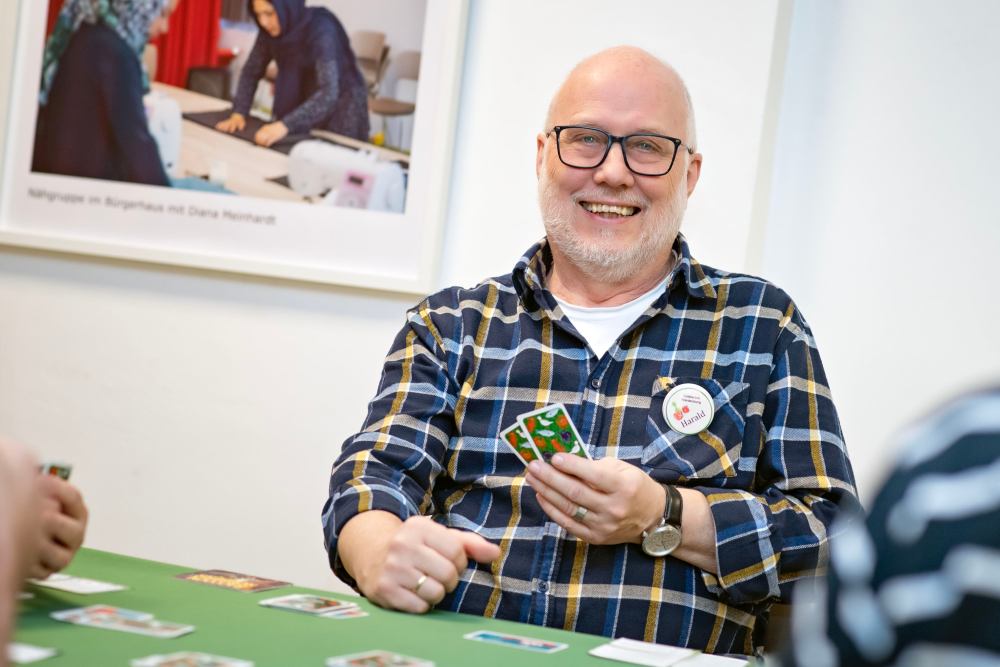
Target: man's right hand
234	123
389	558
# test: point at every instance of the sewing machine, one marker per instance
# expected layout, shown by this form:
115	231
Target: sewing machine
346	177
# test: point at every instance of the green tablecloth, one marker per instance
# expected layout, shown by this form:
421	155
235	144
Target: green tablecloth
231	623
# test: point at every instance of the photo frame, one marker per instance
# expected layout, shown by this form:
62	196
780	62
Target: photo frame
242	233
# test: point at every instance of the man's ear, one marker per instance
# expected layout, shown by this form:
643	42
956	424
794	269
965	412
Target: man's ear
540	156
693	172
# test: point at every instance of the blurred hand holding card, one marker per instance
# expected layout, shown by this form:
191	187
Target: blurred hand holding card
79	585
233	580
553	432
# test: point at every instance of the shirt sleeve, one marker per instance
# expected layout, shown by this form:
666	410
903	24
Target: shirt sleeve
777	532
252	72
317	106
391	464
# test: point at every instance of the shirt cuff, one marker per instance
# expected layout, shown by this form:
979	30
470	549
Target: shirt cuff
746	548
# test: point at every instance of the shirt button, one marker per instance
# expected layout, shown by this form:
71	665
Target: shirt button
595	383
543	586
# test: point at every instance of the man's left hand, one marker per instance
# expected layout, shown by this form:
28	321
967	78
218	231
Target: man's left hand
620	500
63	524
271	133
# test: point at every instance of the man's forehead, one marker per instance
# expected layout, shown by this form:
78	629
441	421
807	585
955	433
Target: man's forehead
637	96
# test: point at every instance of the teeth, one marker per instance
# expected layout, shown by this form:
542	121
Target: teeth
609	208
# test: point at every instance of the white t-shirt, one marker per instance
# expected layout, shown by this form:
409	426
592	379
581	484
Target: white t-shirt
601	327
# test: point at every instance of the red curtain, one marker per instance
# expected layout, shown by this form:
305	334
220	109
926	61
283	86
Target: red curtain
191	41
54	7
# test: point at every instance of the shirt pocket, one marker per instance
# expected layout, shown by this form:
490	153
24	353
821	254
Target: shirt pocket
715	451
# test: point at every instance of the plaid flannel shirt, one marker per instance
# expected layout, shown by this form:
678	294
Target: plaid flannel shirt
772	463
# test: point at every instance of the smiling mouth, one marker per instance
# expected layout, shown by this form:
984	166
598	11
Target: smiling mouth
609	210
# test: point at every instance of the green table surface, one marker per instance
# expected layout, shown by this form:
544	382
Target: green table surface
232	623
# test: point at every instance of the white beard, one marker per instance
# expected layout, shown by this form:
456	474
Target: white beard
601	259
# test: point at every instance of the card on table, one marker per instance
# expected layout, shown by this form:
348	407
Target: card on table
56	469
377	659
122	620
637	652
81	585
346	613
552	431
516	641
25	654
310	604
189	659
233	580
515	437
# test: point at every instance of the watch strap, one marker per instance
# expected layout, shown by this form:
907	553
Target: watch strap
675	505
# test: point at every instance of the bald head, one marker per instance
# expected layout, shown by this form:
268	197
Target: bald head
624	66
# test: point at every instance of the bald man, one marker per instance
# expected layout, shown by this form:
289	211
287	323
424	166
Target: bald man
716	461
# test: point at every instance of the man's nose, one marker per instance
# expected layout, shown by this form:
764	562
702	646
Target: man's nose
613	172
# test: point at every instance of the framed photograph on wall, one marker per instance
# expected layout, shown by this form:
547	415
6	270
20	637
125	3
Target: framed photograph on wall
337	172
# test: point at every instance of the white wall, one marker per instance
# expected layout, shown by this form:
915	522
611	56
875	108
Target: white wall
886	211
202	410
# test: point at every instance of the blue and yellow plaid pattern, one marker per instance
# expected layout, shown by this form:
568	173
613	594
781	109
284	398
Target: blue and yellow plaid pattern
772	463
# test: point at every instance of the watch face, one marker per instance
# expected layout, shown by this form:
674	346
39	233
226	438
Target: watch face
661	541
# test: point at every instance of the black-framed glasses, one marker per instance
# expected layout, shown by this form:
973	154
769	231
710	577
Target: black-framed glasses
585	147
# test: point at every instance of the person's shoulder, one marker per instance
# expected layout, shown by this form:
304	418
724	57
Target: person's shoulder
495	293
745	288
102	40
100	50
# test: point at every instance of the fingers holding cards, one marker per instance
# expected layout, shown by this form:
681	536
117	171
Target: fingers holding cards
543	433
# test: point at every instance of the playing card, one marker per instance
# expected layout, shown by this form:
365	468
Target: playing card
24	654
642	653
515	437
99	611
552	431
81	585
122	620
233	580
189	659
515	641
377	659
346	613
309	604
56	469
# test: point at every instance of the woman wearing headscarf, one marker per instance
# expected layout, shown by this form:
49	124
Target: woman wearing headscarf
318	85
91	119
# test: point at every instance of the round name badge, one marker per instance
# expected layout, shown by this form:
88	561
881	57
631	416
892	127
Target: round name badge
688	409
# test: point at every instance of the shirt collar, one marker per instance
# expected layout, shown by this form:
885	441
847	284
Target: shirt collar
530	270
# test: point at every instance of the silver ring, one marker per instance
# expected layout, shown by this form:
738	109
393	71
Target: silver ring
420	582
579	514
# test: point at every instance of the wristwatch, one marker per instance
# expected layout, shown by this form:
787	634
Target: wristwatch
666	537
